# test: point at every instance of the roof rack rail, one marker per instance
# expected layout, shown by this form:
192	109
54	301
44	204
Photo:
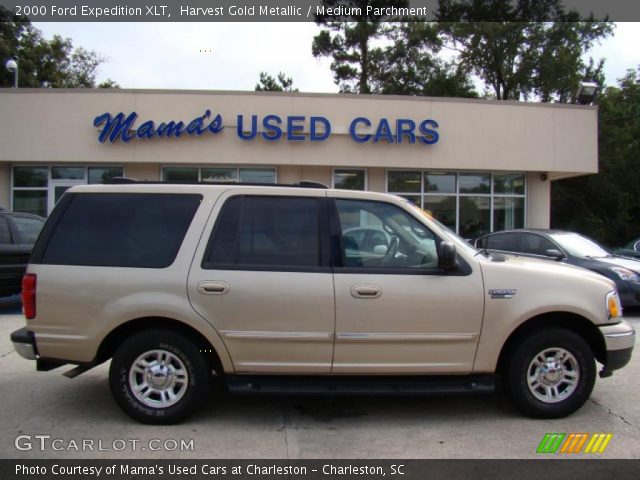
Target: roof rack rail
133	181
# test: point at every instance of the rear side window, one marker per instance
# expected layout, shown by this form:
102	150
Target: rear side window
508	242
266	232
121	230
29	228
536	244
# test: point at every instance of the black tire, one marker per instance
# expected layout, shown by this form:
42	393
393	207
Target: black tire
516	373
182	360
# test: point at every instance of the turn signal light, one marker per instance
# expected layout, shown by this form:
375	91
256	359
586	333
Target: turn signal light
29	295
614	311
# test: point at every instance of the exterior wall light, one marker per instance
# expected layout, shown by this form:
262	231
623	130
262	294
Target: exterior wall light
587	93
12	66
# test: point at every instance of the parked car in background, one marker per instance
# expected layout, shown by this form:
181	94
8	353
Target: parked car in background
18	233
632	249
571	248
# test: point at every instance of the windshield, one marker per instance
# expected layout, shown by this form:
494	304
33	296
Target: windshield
458	240
579	246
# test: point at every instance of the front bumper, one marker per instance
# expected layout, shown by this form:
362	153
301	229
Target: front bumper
25	343
619	340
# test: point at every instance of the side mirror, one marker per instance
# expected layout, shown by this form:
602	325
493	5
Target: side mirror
554	253
447	256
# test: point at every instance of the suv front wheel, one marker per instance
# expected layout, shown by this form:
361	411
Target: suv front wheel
159	377
550	374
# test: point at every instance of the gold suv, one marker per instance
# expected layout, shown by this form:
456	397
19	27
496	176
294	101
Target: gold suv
303	289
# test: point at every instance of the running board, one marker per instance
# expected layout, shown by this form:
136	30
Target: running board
361	385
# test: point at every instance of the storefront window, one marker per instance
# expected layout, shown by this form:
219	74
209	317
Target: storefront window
475	183
257	175
30	201
37	189
440	182
475	216
180	174
508	184
67	173
219	174
442	208
508	213
349	179
470	203
399	181
104	174
30	176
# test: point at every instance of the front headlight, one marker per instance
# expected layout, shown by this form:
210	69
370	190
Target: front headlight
613	305
625	274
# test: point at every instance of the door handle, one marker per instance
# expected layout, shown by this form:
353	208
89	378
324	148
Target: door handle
213	288
366	291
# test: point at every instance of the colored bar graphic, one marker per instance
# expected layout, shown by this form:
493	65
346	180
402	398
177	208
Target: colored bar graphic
550	443
574	442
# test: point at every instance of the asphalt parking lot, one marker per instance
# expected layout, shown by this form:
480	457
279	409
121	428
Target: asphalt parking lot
45	409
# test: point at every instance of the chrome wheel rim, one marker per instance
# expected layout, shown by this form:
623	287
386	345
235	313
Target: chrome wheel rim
553	375
158	378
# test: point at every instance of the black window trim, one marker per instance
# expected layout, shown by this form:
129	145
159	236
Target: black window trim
323	232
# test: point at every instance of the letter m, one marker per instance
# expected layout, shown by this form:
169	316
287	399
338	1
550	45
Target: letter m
115	127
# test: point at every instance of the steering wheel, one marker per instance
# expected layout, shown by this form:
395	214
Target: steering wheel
392	250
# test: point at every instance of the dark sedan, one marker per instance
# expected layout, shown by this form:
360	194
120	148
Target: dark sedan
630	250
571	248
18	233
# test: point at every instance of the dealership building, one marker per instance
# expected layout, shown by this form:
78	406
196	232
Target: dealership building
476	165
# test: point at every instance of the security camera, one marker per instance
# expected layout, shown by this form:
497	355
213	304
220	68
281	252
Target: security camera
12	64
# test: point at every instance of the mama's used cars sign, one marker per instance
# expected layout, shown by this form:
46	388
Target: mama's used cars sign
127	128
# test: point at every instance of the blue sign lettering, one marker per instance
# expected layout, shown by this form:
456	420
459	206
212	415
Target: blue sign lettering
272	128
119	127
352	130
314	134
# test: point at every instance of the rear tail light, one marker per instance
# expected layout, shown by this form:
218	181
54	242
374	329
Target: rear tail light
29	295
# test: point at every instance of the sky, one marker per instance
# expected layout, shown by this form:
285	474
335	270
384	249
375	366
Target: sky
230	56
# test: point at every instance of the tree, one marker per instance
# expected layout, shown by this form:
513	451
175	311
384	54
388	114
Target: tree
411	65
607	206
269	84
349	43
535	50
51	63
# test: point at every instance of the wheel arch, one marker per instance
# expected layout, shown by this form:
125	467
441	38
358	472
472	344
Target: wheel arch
110	343
571	321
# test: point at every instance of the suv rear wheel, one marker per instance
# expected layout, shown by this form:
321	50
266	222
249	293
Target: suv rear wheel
159	377
550	374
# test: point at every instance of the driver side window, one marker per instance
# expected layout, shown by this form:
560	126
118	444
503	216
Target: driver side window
381	235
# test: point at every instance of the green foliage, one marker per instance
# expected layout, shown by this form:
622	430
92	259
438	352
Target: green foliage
269	84
607	206
411	66
51	63
350	44
536	50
